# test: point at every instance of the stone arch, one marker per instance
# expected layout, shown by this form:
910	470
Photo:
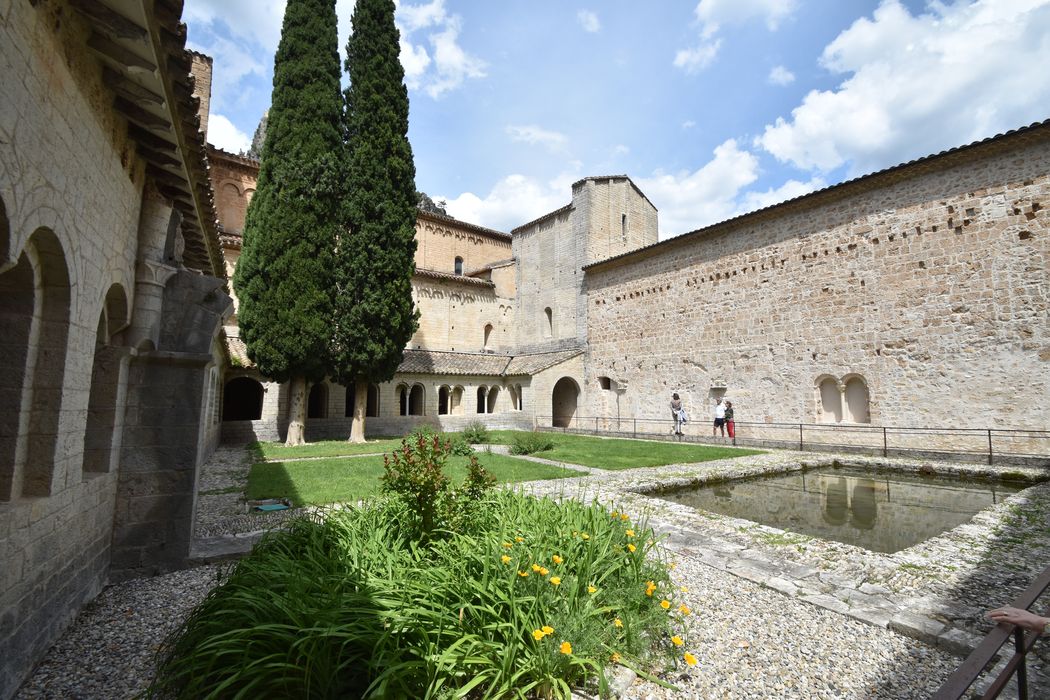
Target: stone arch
548	322
458	265
417	401
564	400
242	399
443	400
101	425
857	403
492	400
372	405
317	402
17	302
402	399
46	357
829	400
487	341
456	401
482	393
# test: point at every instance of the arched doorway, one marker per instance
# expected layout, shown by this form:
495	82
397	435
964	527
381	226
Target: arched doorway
564	398
317	404
443	401
416	400
242	399
493	397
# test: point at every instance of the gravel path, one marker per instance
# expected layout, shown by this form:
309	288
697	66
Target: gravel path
750	640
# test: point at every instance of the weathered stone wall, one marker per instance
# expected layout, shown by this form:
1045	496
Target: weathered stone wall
70	193
201	68
454	314
440	240
929	286
233	180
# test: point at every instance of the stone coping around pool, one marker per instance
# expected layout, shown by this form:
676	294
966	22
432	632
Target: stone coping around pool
936	591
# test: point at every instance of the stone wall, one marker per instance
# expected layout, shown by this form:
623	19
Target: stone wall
455	313
70	190
440	240
233	180
927	285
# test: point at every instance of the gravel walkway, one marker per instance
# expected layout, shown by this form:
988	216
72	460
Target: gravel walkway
751	641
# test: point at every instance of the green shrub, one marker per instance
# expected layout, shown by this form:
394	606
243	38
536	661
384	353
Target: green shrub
476	433
529	443
345	604
461	447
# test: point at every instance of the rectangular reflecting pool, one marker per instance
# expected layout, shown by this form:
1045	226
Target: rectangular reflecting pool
879	511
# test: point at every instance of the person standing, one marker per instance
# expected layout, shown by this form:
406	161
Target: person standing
730	425
677	414
720	418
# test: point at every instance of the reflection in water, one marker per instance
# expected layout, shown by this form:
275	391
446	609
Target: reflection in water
882	512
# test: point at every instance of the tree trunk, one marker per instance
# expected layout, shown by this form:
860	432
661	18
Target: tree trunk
296	412
357	425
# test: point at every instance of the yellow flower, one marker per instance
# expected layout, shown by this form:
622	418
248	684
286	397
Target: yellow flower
615	658
630	533
508	545
683	589
584	536
689	659
505	559
536	568
544	571
555	580
615	514
547	629
677	641
624	516
592	590
556	559
519	539
566	649
618	622
672	566
665	604
537	634
631	548
523	574
649	588
684	609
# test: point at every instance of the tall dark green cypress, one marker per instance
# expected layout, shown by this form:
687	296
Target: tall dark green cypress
375	257
284	279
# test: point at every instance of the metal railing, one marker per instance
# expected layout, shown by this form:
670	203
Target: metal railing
964	676
985	444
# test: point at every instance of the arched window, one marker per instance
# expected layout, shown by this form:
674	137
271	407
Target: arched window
105	378
402	400
521	398
488	335
857	400
605	383
242	399
372	408
459	266
417	401
481	399
830	401
548	327
317	404
493	397
457	401
443	395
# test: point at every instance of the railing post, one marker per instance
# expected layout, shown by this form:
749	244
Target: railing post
800	437
1022	670
989	446
634	431
885	452
596	425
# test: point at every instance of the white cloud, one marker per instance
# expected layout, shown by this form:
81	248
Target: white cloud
446	65
413	17
513	201
537	136
712	14
589	21
415	60
689	200
789	190
688	124
697	58
781	76
255	21
621	150
223	134
916	84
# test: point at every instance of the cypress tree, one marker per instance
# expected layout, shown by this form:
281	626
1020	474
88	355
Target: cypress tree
284	276
375	256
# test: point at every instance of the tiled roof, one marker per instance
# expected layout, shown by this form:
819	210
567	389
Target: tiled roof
546	216
864	183
531	364
463	224
238	352
246	161
492	266
438	362
463	279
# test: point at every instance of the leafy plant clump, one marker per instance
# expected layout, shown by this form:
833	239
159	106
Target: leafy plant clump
476	433
530	443
433	591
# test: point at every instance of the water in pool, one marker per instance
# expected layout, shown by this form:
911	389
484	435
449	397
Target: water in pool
881	512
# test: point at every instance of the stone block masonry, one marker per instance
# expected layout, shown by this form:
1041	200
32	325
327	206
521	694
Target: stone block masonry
929	283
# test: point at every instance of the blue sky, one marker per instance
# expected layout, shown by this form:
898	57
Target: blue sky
714	108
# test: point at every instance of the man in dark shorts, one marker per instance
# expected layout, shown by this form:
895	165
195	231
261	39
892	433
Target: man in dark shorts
720	418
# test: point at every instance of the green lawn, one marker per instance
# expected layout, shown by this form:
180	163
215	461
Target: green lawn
324	448
341	480
608	453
